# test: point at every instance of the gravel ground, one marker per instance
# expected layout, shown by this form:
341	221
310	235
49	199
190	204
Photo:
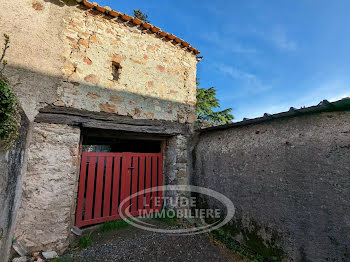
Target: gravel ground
133	244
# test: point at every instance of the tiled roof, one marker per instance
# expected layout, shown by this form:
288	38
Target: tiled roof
142	25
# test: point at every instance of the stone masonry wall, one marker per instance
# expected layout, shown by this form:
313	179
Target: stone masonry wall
289	180
157	80
49	190
62	54
12	166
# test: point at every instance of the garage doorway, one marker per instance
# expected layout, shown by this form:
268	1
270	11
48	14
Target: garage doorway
115	166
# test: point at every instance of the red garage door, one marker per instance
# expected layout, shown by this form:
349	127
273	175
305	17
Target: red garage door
106	179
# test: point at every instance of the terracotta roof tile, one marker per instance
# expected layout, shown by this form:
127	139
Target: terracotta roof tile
114	13
178	40
126	17
88	4
155	29
146	25
101	9
172	37
136	21
163	33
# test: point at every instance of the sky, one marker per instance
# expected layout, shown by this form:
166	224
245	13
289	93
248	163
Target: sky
262	56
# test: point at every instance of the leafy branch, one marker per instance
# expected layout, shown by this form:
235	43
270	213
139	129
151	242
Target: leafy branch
9	115
2	59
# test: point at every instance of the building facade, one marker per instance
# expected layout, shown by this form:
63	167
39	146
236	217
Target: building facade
88	76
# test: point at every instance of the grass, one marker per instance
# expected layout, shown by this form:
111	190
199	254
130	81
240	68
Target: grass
85	241
164	218
113	225
232	244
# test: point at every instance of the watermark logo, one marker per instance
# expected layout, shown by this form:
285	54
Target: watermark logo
178	202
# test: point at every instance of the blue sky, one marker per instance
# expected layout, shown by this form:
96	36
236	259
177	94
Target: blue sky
261	55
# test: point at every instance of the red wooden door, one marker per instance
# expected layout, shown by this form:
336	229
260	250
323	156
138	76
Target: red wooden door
107	179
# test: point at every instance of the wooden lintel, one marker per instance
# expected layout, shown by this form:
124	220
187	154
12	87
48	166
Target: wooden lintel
87	119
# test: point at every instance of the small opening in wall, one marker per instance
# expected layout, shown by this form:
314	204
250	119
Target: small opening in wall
116	70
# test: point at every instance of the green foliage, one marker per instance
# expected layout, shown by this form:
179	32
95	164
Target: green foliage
249	251
85	241
164	218
59	259
141	15
113	225
206	102
9	116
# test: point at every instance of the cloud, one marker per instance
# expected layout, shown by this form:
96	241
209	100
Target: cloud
250	81
279	38
333	89
226	43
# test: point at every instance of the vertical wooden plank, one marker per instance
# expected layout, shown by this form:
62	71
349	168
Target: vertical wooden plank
81	190
135	175
154	180
90	188
141	181
99	186
125	186
148	182
160	179
107	189
115	187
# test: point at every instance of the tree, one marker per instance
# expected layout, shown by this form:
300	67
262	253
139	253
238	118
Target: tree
141	15
206	102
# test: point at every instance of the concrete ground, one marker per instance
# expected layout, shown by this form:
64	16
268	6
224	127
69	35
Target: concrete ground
133	244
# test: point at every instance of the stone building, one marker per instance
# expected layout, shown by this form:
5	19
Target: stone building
87	75
89	78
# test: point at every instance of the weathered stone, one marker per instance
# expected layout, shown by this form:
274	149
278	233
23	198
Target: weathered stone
49	254
47	199
122	111
160	68
93	95
116	99
37	6
109	84
87	60
283	176
117	58
93	79
141	62
93	39
108	108
192	118
20	259
149	115
84	42
58	103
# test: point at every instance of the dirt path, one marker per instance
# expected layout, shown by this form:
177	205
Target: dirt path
133	244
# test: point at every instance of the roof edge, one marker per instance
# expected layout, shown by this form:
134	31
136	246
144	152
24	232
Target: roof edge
323	106
143	25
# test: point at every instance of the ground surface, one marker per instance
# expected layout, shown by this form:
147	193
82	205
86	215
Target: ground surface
133	244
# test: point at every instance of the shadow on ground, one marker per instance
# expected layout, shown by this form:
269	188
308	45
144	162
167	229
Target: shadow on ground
133	244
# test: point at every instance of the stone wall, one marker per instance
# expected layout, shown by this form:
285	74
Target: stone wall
12	163
157	79
49	190
62	53
289	180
